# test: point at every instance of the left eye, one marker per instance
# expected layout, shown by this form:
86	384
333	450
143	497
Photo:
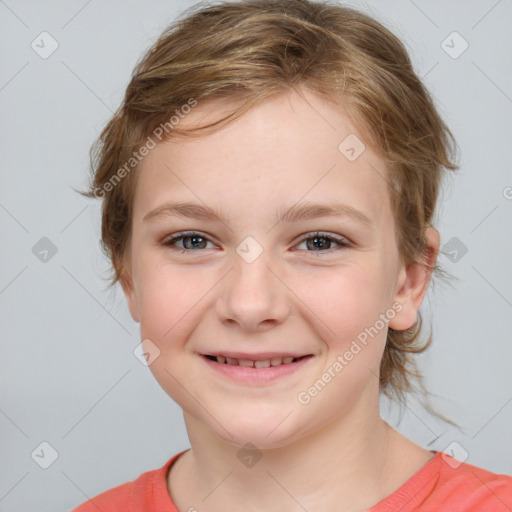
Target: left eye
323	242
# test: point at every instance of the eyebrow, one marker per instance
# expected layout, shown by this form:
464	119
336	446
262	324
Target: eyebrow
294	213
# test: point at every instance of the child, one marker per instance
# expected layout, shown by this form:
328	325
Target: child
268	190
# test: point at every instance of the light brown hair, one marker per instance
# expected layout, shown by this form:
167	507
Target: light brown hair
254	49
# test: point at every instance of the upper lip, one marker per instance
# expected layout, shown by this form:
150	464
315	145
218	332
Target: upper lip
258	356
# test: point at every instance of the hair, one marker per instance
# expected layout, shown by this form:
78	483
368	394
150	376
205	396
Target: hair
251	50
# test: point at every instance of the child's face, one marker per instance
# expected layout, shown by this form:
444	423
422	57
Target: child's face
299	297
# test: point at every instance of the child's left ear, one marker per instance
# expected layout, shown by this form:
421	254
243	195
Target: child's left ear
412	284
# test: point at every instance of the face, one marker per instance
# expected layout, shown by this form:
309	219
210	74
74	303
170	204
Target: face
260	256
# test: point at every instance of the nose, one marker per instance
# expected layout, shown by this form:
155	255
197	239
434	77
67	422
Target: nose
252	297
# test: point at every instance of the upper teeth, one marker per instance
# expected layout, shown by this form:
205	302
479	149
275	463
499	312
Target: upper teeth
256	364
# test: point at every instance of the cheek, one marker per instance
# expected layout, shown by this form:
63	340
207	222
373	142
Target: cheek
169	300
344	300
348	303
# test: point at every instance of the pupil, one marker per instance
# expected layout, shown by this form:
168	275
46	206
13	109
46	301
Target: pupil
320	242
195	242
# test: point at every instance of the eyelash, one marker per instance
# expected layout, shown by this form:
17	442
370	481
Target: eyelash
342	242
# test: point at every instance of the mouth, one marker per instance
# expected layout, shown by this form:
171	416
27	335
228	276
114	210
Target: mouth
253	361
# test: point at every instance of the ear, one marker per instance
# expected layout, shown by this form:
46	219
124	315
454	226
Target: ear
129	291
412	284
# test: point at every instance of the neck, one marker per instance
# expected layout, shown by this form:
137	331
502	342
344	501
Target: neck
344	467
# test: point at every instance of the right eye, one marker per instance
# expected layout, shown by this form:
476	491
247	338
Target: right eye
191	241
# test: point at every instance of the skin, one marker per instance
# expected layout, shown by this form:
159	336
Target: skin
335	452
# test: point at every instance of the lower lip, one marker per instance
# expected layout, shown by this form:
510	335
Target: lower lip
253	375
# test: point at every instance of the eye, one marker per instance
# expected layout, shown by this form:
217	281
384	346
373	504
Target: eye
195	241
191	241
320	242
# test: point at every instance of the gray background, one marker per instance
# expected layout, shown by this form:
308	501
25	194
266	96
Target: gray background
68	373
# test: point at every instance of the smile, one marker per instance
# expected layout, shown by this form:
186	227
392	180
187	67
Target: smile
251	363
255	369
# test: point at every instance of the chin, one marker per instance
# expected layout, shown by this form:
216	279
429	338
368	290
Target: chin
265	432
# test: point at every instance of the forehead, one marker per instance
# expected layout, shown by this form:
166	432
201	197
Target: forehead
295	147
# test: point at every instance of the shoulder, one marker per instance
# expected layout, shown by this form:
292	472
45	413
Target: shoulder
141	494
108	501
445	484
473	489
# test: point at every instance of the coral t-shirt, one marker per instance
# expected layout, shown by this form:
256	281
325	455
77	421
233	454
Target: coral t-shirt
442	485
